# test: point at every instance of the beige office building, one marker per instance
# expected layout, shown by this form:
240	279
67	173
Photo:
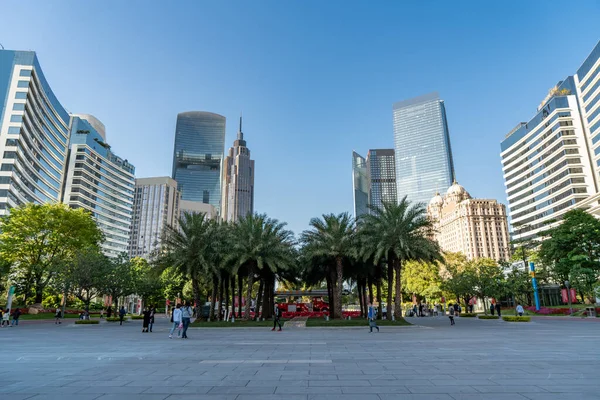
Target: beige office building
475	227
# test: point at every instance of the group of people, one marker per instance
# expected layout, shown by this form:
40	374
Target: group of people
181	318
496	308
424	309
5	317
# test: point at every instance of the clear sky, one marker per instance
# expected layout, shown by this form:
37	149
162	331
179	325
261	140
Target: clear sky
314	79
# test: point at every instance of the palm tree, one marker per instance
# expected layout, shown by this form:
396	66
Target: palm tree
396	233
332	236
260	242
186	248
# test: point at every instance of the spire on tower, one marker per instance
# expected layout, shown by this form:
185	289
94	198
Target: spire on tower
240	133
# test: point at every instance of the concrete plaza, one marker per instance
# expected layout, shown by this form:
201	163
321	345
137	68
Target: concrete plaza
473	360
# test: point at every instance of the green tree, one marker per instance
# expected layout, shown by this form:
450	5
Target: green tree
259	242
422	278
146	281
37	239
397	233
87	274
518	285
487	279
332	237
119	280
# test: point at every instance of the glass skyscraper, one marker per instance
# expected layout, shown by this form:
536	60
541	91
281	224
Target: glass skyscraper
34	132
198	156
374	180
422	142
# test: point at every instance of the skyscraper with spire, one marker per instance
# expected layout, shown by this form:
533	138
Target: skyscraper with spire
238	181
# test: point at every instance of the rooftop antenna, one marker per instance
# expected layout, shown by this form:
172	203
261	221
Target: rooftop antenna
1	46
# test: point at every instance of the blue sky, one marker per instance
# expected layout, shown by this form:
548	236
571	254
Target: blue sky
314	79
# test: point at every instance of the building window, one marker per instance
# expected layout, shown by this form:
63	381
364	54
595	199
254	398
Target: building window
21	95
14	130
16	118
19	107
25	72
206	197
23	84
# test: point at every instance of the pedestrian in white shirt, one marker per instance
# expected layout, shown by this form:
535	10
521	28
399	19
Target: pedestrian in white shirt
520	310
177	321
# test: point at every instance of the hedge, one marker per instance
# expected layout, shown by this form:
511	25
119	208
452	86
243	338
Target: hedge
488	317
137	317
87	322
468	315
115	319
516	319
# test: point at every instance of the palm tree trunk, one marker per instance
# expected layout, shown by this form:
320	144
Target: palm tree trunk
213	298
232	294
240	284
330	294
196	294
360	298
371	293
379	305
220	307
398	289
390	282
266	303
259	299
249	293
226	294
339	269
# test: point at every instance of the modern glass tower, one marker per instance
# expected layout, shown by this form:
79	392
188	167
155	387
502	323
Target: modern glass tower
34	132
422	142
101	182
198	156
374	180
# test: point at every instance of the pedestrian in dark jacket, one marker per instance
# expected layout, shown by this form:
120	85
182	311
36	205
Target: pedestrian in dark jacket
498	309
276	314
16	315
122	313
146	320
492	308
109	312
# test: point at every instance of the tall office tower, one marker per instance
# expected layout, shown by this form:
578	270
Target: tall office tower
360	185
34	132
198	156
374	180
238	181
155	206
475	227
422	142
101	182
551	164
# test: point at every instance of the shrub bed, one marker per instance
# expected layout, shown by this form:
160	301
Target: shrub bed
516	319
137	317
489	317
87	322
115	319
468	315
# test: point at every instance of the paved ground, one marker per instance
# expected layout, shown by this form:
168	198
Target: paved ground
471	361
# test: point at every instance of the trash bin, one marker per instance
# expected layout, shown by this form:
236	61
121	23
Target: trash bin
590	311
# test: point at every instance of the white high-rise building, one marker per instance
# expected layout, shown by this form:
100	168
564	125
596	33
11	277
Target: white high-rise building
238	181
155	206
551	164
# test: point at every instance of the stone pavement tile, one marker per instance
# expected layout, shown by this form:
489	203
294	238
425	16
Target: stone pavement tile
537	382
562	396
48	389
66	397
338	383
321	377
343	397
133	397
429	396
441	389
589	387
102	383
375	389
242	390
463	382
271	397
202	397
278	383
308	390
15	396
146	383
239	383
399	381
112	389
363	377
177	390
507	389
488	396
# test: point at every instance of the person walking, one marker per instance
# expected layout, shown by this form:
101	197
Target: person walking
492	308
415	311
109	312
57	316
146	322
520	310
186	316
16	315
498	310
176	318
6	318
451	312
420	309
371	317
152	313
456	309
276	316
122	313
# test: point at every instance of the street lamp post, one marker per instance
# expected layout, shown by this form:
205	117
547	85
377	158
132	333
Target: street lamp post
569	297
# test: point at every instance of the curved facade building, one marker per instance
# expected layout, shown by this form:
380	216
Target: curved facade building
34	132
198	156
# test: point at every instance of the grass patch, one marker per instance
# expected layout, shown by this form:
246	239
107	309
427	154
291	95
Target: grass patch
239	323
516	319
44	316
137	317
488	317
87	322
468	315
315	322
